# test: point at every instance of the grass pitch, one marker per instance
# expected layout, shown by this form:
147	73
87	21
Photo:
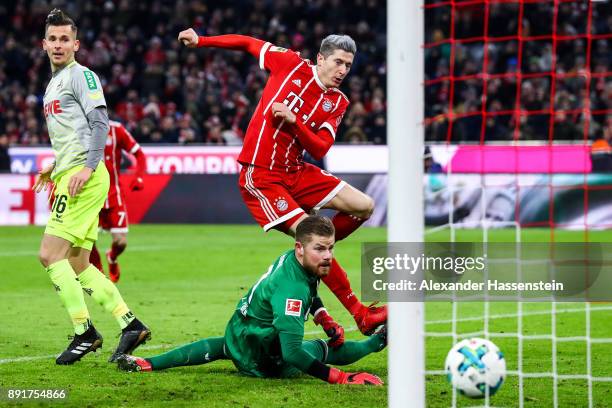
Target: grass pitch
184	282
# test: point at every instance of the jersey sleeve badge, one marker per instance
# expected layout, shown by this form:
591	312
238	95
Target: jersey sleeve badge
293	307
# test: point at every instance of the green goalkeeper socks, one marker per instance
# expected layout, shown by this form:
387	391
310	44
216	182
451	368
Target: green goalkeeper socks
199	352
106	294
352	351
69	291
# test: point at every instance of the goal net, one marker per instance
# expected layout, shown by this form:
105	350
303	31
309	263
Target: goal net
518	117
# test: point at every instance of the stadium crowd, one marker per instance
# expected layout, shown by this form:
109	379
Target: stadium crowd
166	93
569	95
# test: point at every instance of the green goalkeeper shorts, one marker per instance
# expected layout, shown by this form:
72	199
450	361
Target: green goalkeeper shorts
76	218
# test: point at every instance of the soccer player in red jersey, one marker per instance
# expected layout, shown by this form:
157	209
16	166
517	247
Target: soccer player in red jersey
300	109
114	216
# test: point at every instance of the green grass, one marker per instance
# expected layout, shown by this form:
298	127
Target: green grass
184	282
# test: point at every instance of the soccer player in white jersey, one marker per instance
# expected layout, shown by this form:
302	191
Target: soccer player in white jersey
75	111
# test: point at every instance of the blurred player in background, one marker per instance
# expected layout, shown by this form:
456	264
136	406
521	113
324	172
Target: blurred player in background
265	336
114	216
75	110
300	109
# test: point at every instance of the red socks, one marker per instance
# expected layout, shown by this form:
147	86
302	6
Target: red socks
338	283
94	258
345	224
115	251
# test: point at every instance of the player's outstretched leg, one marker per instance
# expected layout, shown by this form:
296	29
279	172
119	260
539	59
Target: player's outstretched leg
368	318
95	260
196	353
104	292
117	247
354	208
350	351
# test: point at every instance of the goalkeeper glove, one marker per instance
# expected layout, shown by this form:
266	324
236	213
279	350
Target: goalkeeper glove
334	331
340	377
137	184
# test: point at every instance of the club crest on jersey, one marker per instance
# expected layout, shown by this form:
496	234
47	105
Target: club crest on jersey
293	307
327	105
281	204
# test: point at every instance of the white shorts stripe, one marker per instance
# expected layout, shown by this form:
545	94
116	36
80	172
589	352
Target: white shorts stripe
283	219
263	201
331	195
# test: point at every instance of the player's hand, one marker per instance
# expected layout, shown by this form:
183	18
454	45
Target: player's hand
77	181
331	328
43	178
340	377
189	38
137	184
280	110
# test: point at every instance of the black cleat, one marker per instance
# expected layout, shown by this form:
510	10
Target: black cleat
80	345
135	334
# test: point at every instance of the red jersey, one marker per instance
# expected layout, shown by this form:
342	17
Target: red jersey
271	143
119	139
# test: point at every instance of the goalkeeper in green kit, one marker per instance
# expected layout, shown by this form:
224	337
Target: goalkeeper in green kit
264	337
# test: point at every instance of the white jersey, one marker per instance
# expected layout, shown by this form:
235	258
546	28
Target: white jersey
73	92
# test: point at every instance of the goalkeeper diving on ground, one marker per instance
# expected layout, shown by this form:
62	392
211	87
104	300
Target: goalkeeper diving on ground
265	335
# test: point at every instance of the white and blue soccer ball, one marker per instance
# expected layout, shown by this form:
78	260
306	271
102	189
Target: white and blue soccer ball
473	365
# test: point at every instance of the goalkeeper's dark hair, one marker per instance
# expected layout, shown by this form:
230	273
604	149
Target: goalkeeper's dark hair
335	42
314	225
57	18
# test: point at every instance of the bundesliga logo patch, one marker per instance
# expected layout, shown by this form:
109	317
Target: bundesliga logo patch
293	307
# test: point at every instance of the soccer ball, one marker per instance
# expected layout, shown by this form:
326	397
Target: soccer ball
474	364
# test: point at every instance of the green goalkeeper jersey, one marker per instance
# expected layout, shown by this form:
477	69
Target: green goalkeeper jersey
279	302
73	92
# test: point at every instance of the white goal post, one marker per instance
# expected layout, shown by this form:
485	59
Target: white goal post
405	138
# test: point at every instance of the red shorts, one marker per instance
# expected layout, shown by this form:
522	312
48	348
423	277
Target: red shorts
114	219
277	198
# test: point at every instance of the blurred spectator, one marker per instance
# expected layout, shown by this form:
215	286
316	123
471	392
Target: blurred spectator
601	151
429	164
531	116
148	76
151	81
5	159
